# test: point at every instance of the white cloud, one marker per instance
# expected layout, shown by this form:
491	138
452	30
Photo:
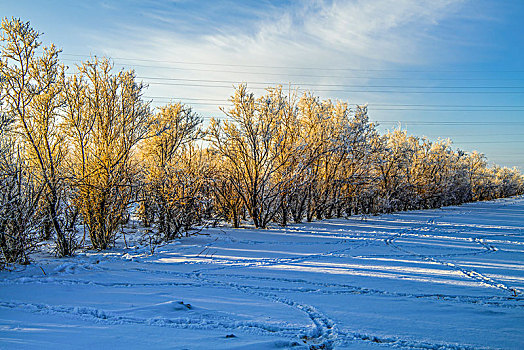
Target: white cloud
381	30
356	34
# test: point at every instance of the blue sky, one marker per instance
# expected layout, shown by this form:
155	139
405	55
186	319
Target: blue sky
444	68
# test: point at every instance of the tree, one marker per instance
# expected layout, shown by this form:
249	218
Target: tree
33	96
250	149
175	171
19	198
106	118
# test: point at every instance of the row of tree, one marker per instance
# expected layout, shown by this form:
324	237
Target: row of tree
78	150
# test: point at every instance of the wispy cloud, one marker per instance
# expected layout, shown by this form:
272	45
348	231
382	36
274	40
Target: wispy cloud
357	34
346	31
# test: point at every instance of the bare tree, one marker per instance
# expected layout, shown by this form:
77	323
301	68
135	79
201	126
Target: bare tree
106	118
175	172
33	87
250	144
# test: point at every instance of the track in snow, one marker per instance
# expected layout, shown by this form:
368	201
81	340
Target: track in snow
379	281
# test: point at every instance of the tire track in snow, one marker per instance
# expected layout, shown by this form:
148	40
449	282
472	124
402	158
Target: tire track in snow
509	302
305	288
206	322
324	332
322	340
469	273
327	335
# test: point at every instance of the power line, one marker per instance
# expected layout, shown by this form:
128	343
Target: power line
478	135
446	105
270	73
322	85
448	122
351	91
475	142
394	109
295	67
363	77
354	104
370	106
416	122
445	110
513	155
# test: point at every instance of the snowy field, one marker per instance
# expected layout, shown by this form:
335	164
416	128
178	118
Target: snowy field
447	278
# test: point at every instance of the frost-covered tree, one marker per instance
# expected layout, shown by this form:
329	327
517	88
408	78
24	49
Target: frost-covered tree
33	85
250	144
175	172
106	118
227	202
19	197
309	158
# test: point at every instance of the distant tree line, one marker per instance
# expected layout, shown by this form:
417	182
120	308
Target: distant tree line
79	150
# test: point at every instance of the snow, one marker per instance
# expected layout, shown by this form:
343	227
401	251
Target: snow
447	278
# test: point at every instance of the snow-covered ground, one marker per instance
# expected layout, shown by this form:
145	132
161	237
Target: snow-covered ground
448	278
